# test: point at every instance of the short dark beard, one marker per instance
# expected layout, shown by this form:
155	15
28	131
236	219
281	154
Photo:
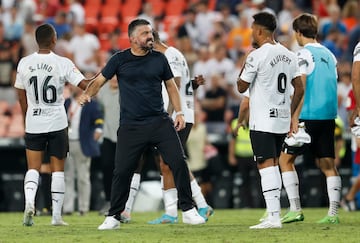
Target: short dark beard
146	47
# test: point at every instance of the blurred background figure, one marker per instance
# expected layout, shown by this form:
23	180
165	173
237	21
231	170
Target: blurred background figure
28	41
8	59
107	95
246	181
76	13
84	49
188	32
334	21
85	129
147	13
60	23
13	23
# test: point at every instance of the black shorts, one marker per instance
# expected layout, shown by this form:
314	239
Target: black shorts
54	143
322	133
266	145
294	150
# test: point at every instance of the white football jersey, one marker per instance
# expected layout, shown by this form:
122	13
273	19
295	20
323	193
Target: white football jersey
179	68
356	53
270	70
43	77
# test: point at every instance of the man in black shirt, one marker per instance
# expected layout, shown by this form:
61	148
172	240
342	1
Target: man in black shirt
143	121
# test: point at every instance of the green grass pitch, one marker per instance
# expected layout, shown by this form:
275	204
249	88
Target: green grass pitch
226	225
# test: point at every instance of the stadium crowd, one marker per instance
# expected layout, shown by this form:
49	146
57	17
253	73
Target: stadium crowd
213	35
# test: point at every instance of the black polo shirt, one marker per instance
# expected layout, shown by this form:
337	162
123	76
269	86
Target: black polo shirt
139	79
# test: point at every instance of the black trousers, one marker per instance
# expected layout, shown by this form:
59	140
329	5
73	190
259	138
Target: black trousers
108	149
132	141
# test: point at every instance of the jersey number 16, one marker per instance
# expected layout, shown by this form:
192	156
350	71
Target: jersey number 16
48	91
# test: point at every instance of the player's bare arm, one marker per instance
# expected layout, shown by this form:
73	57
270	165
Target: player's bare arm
355	79
242	85
243	115
174	97
92	89
23	101
85	82
296	102
170	108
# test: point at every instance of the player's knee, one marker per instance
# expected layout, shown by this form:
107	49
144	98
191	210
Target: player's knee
326	165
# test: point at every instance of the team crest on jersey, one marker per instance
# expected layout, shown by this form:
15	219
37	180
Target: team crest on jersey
248	62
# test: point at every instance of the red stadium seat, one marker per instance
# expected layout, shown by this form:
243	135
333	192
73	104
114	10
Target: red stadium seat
91	18
175	7
109	19
158	7
93	3
130	8
124	42
113	2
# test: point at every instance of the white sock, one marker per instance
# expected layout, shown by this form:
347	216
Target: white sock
271	186
197	195
31	182
291	184
134	188
57	193
170	202
334	192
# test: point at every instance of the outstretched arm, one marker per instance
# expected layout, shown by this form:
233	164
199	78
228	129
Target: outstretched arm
92	89
85	82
